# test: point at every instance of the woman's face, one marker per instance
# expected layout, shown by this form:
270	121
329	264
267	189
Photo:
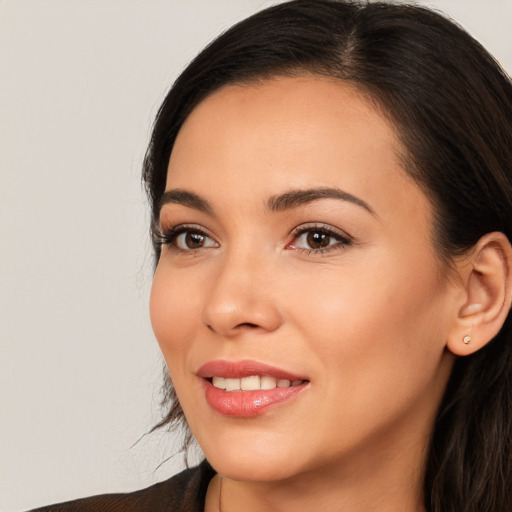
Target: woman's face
297	249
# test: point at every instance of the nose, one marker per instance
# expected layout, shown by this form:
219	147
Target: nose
240	298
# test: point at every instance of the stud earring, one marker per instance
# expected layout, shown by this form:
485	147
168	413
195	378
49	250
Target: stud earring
466	339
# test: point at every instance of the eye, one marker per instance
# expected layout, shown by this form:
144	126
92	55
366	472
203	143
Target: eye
193	240
318	239
315	240
186	239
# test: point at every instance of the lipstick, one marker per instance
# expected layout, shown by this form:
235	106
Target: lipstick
247	388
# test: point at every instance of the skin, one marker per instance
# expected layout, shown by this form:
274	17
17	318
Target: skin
367	321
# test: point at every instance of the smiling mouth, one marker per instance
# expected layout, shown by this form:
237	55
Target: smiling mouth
253	383
244	389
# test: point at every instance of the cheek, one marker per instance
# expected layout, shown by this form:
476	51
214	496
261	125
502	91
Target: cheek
171	311
373	338
375	321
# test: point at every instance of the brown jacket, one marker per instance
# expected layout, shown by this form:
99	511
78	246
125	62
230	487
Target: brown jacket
185	492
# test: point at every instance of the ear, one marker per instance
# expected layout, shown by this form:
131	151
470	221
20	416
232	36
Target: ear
486	276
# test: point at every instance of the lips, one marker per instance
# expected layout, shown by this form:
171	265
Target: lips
240	369
248	388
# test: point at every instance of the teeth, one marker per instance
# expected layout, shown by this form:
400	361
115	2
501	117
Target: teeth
219	382
268	382
253	383
250	383
232	384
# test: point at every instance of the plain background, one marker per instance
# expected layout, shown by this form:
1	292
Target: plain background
80	81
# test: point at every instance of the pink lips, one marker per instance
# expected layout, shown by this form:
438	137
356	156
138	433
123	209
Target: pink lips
244	404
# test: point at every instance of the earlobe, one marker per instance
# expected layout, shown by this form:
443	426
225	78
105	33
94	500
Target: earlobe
486	278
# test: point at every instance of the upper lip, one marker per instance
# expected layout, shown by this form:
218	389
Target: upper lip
245	368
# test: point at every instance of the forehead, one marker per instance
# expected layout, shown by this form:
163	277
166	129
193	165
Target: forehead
278	120
307	103
300	132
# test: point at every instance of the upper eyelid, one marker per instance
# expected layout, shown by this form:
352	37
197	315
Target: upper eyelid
320	226
182	226
175	230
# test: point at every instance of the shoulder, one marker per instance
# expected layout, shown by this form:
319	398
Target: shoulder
184	492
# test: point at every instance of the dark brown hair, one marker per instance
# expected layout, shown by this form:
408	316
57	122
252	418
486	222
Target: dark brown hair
451	105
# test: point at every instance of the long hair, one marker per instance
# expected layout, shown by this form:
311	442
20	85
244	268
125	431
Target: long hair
451	106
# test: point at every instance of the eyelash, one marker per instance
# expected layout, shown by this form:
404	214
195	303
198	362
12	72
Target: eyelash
168	237
342	239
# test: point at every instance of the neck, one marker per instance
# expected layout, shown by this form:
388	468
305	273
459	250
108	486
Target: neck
306	494
382	481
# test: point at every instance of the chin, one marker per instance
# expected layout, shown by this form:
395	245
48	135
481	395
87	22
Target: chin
249	468
250	457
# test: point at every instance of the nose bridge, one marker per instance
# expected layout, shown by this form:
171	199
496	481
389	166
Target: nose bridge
239	295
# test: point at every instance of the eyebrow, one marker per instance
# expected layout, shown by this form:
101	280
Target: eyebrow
295	198
278	203
186	198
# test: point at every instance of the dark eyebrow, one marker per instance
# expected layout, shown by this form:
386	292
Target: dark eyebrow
185	198
295	198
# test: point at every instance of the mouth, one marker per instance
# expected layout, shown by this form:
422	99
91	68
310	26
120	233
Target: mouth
253	383
246	388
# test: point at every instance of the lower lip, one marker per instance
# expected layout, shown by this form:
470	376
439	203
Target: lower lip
245	404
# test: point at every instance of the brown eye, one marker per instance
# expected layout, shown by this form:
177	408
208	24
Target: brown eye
190	240
194	240
318	239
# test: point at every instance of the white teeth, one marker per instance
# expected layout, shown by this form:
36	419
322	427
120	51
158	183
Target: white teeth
232	384
268	382
252	383
219	382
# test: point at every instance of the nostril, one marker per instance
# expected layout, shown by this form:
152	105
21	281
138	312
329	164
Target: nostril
237	328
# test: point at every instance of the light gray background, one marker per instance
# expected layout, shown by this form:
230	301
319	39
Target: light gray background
80	81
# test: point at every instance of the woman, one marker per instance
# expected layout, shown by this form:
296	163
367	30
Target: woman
330	186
